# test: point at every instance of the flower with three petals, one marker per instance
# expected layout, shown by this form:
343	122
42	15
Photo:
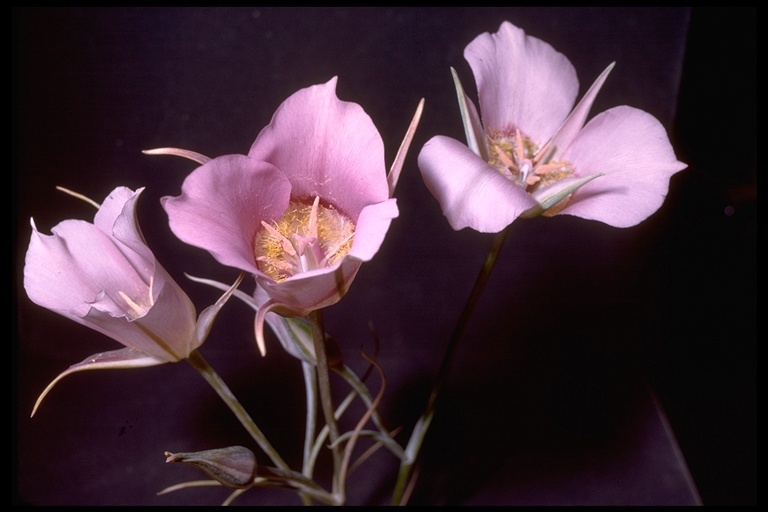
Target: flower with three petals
103	275
533	154
308	204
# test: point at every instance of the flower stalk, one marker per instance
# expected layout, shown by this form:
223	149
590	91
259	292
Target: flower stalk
209	374
422	425
324	388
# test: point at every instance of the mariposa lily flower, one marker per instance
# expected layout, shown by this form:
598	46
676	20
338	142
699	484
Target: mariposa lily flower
103	275
533	154
302	211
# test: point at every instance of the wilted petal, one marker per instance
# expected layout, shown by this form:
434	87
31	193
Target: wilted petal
521	82
470	192
327	148
222	205
631	148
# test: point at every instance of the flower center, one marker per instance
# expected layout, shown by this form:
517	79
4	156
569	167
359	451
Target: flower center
520	160
308	236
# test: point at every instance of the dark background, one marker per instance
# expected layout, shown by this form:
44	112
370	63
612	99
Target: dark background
603	366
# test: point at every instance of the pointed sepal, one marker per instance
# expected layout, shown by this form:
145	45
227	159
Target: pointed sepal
473	128
184	153
397	164
552	196
114	359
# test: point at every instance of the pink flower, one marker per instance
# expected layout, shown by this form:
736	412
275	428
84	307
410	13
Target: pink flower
302	211
104	276
533	155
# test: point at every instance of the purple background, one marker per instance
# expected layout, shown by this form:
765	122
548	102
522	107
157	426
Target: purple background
603	366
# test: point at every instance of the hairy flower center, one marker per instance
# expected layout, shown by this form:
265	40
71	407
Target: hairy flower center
308	236
520	160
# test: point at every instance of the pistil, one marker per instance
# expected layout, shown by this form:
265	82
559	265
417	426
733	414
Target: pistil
520	160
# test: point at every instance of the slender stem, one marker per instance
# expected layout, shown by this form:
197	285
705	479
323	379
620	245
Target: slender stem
310	385
209	374
324	385
422	425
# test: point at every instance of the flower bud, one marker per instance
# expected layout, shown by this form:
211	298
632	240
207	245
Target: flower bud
234	466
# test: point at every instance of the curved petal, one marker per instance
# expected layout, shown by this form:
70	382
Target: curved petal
372	226
62	274
470	192
222	204
117	218
327	148
164	331
123	358
522	82
631	148
303	293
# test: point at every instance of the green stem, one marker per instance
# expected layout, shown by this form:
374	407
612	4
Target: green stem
422	425
324	386
209	374
310	385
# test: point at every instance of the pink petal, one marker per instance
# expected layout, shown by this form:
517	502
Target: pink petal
303	293
522	82
68	270
327	148
632	149
117	218
470	192
222	204
372	226
79	272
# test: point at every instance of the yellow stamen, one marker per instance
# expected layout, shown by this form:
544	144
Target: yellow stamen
306	237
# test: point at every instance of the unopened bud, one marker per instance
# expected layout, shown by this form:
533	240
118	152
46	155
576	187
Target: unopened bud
234	466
